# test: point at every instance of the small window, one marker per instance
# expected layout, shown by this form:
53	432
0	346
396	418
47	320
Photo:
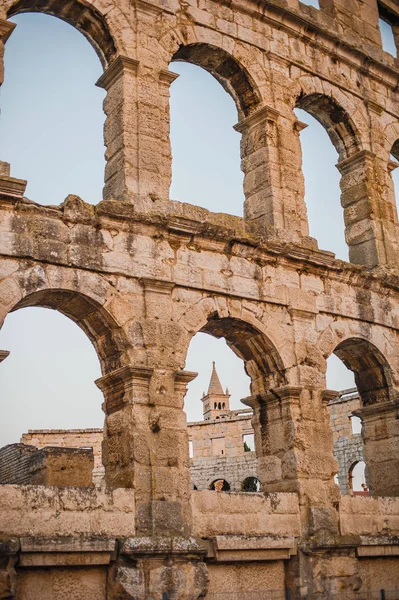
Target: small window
357	479
387	37
251	484
220	485
249	442
356	423
190	449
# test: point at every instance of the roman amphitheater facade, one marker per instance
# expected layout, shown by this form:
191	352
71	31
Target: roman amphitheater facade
142	274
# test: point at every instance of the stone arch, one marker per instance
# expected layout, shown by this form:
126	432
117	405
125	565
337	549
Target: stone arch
82	15
251	483
390	135
350	474
227	70
211	483
101	328
373	375
335	119
247	337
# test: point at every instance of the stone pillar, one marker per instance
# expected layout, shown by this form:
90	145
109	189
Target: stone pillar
370	220
6	29
380	434
293	442
125	448
159	568
273	183
121	129
136	131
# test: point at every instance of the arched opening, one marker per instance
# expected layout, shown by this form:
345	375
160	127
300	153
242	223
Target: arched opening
319	167
53	135
52	402
49	382
205	147
226	70
84	17
248	363
372	374
251	484
361	369
220	485
48	379
357	479
102	330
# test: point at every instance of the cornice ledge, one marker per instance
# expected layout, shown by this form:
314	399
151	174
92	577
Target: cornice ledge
4	354
167	77
285	392
265	113
158	286
145	8
6	29
116	69
183	378
12	189
362	156
123	375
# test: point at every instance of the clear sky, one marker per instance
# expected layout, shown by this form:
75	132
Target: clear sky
51	132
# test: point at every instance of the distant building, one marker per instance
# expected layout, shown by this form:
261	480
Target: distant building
222	445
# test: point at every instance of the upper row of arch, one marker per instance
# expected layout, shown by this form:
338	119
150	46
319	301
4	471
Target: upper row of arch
237	68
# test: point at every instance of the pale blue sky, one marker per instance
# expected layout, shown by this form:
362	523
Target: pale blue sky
51	132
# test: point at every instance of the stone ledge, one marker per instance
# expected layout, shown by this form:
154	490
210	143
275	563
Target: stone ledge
160	545
66	551
225	548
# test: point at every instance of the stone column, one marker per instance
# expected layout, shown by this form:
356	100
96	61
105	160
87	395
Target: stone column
293	441
380	435
125	448
370	219
136	131
273	183
121	129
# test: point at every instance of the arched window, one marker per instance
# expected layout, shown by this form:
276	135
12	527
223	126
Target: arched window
373	387
53	135
238	344
251	484
220	485
357	479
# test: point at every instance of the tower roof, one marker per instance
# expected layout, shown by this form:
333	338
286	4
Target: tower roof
215	387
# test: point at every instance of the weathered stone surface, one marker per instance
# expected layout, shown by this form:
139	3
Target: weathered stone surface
142	274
